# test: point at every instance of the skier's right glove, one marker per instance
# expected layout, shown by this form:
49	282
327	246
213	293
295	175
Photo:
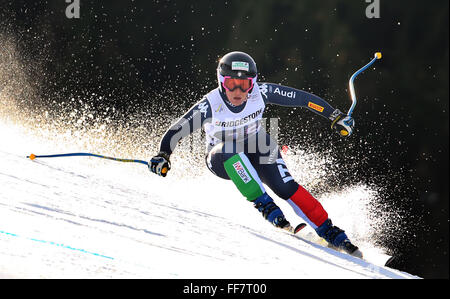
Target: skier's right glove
343	124
160	164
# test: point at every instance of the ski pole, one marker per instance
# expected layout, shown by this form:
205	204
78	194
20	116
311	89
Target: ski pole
352	78
33	156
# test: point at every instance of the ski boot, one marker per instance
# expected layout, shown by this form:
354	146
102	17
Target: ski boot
273	214
337	238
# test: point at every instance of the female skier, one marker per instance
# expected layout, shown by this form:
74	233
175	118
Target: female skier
240	150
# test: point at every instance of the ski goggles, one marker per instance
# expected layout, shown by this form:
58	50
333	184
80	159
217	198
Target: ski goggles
231	84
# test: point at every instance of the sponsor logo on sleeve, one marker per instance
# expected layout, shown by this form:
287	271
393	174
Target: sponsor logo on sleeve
315	107
284	93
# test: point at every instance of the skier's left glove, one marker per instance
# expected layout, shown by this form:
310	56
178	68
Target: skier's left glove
343	124
160	164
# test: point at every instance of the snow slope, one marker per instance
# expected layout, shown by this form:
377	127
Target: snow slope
92	218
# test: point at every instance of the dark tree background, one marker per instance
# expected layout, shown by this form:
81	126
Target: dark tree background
147	54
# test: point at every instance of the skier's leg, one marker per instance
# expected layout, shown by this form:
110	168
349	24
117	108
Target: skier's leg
241	171
277	177
237	167
215	159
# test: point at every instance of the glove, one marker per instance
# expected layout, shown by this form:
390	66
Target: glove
343	124
160	164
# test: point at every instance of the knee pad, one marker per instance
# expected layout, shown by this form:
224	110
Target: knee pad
241	171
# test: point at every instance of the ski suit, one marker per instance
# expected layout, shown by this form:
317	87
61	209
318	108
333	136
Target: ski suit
240	149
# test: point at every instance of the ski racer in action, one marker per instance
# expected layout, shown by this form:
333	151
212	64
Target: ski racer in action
239	148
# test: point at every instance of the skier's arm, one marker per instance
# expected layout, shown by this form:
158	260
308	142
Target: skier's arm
287	96
186	125
290	97
194	119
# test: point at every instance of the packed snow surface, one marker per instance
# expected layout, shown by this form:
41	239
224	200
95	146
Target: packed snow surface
81	217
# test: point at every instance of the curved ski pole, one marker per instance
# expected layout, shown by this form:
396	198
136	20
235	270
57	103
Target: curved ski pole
33	156
352	78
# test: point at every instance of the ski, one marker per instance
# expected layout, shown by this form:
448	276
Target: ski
370	256
294	230
348	248
391	262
